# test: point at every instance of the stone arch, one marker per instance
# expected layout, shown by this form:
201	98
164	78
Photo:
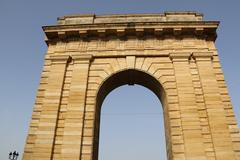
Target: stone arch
130	77
160	68
176	48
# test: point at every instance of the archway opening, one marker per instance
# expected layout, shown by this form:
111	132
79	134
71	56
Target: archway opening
130	77
132	125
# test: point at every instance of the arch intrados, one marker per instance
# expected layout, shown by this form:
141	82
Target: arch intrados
130	77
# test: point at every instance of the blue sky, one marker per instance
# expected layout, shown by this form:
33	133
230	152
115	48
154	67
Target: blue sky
132	125
22	50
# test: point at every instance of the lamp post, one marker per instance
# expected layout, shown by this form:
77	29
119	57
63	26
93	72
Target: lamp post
13	155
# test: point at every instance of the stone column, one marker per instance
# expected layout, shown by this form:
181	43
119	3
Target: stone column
73	125
215	108
45	135
191	128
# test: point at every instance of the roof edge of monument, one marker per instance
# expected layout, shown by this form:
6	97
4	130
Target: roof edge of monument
119	18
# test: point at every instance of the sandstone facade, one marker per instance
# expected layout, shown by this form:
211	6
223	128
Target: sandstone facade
173	54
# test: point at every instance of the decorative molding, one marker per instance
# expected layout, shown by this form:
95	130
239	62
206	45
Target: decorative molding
81	58
207	30
180	56
202	56
59	59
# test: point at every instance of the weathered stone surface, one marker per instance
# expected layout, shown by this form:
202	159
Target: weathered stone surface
173	54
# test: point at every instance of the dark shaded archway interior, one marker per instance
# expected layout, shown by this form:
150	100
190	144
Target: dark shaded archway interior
130	77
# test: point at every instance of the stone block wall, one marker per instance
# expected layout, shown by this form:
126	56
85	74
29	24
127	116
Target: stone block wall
173	54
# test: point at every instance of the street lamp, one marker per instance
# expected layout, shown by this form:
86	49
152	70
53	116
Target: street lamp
13	155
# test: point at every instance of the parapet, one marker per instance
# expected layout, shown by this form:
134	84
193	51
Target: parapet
127	18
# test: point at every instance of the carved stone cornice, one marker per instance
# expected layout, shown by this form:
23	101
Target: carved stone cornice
159	25
206	30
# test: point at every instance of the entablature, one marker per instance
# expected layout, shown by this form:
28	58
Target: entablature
80	27
206	30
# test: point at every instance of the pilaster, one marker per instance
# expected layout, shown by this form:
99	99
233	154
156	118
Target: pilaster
74	118
206	132
45	135
191	128
215	109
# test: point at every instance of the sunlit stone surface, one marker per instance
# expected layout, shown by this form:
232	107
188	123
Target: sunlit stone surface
173	54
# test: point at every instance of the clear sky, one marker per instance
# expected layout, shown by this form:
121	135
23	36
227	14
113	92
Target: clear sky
22	49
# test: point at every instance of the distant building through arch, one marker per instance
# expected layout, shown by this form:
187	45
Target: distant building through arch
173	54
